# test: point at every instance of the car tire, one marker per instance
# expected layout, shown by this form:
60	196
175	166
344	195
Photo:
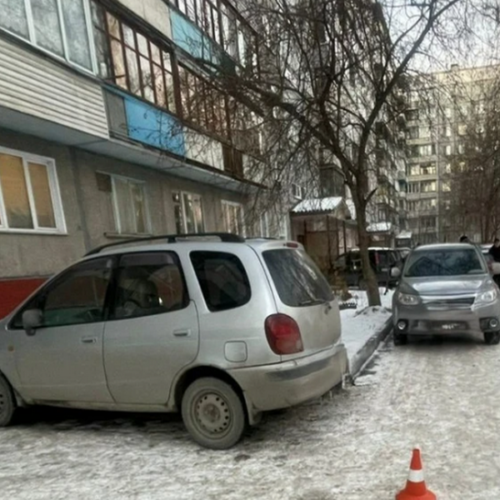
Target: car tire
492	338
213	413
400	339
7	403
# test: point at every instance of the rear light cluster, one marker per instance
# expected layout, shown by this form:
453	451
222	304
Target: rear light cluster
283	334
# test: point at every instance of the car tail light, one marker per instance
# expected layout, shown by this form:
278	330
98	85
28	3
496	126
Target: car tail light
283	334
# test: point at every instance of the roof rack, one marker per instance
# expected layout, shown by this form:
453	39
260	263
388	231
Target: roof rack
171	238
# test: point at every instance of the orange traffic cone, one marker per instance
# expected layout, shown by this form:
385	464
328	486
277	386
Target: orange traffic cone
415	486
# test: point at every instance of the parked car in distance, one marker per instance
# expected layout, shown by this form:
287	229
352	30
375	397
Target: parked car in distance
216	327
446	289
382	261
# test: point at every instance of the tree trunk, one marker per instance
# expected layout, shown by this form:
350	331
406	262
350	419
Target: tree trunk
368	273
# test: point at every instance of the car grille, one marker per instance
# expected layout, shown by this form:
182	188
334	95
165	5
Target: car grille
451	303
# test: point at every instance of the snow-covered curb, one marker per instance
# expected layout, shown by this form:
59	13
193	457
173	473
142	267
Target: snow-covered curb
360	358
364	329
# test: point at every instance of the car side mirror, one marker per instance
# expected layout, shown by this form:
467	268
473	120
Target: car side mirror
32	319
395	272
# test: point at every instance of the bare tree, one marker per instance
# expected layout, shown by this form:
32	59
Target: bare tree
473	206
329	76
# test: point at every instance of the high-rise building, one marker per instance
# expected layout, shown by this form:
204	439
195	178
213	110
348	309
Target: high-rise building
441	105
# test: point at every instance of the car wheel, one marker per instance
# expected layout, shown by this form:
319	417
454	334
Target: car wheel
7	403
213	413
400	339
492	338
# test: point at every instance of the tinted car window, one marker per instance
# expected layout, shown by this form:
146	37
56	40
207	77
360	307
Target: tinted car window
148	284
223	280
453	262
78	296
298	280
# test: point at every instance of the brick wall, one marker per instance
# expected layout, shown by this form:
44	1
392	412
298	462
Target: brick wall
13	292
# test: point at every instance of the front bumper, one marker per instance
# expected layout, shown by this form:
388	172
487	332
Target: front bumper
272	387
423	321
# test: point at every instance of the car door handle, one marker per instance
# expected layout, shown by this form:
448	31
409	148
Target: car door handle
89	340
182	333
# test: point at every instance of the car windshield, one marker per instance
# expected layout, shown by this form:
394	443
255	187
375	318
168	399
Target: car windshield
298	280
449	262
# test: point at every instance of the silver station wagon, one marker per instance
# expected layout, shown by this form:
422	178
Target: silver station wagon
219	328
446	289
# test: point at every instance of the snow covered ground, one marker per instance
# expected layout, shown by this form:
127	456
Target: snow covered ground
355	445
359	325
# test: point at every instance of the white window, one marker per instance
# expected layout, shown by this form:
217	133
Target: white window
297	191
61	27
447	150
264	225
29	194
129	202
447	131
188	211
234	218
461	149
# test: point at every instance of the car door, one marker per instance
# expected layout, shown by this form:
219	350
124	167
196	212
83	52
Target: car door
153	330
62	360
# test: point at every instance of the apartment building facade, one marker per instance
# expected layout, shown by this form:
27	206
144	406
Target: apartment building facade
109	129
441	107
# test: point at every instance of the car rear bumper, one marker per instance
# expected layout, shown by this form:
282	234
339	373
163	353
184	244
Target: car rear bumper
446	322
286	384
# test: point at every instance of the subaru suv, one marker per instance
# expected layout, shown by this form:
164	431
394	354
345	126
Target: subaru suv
218	328
446	289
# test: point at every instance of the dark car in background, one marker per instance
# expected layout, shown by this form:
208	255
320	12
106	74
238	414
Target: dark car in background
382	260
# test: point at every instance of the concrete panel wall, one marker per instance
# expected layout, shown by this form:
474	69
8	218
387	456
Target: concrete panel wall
89	212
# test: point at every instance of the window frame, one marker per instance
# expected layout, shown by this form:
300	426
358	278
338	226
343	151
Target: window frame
55	195
168	77
114	201
31	37
227	203
182	205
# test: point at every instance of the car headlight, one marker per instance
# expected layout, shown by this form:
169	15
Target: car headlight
407	299
487	297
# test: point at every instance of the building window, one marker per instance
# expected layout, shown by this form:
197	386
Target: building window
428	169
427	150
132	60
413	132
188	211
413	187
61	27
202	104
29	194
297	191
220	23
428	187
447	150
412	115
234	219
129	203
415	170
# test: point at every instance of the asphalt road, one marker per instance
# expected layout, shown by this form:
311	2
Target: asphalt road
353	445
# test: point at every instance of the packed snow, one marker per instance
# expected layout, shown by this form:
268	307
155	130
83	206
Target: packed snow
353	444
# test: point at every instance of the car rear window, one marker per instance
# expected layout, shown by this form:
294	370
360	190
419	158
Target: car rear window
298	280
453	262
223	280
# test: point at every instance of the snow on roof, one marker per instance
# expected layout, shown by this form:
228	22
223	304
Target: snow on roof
379	227
404	235
317	205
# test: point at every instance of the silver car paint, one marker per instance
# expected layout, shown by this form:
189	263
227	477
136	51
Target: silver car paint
135	364
442	300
